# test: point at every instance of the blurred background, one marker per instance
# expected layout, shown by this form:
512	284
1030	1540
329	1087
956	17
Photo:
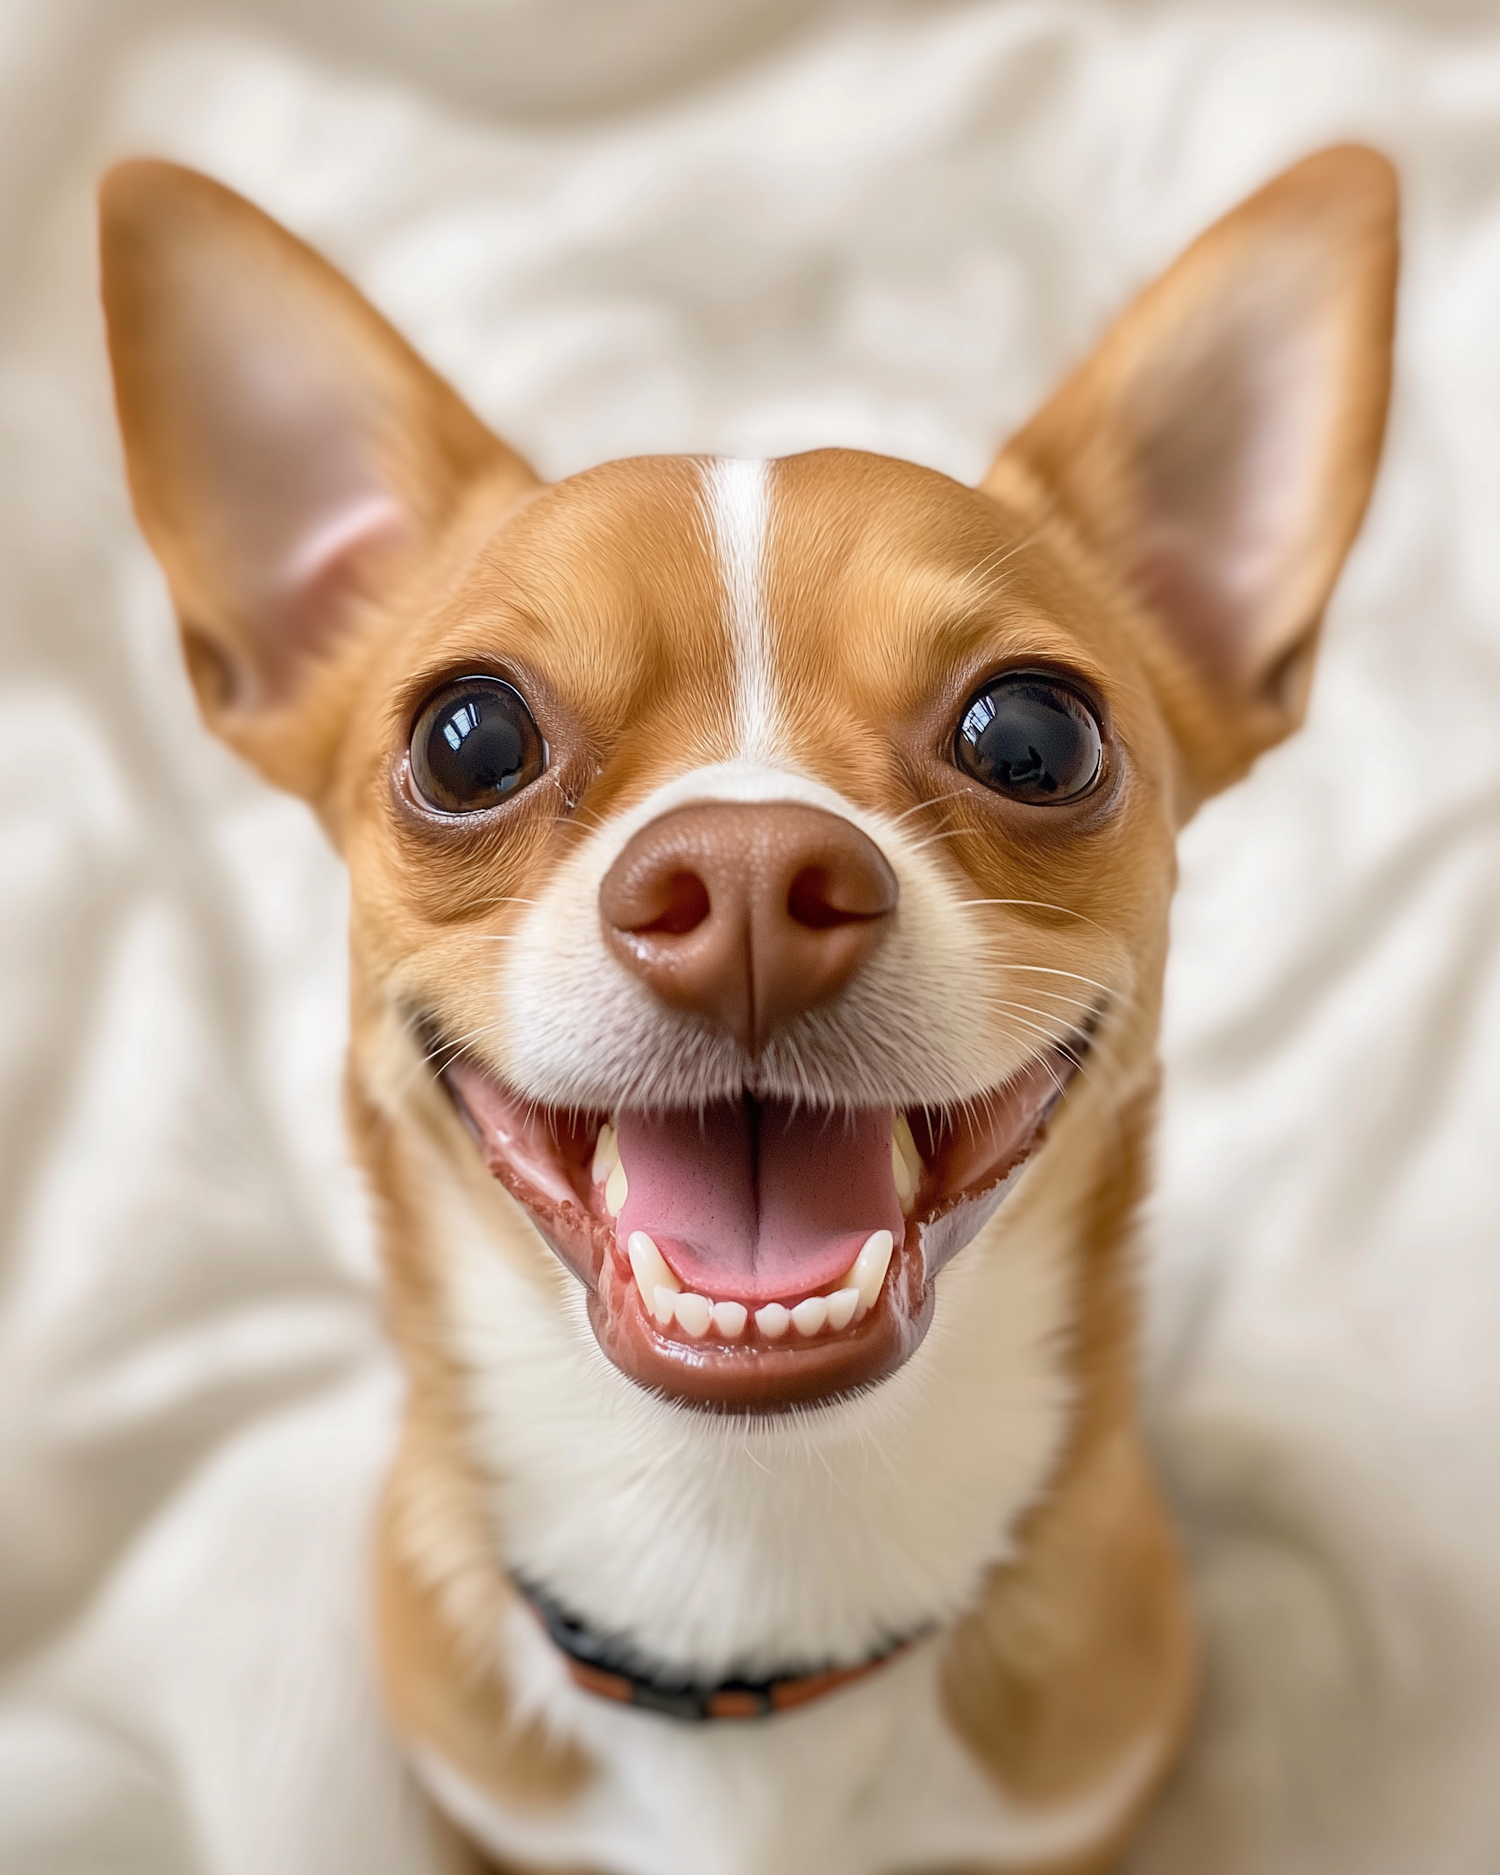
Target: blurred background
751	226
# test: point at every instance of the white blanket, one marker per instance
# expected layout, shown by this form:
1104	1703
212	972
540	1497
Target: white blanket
752	226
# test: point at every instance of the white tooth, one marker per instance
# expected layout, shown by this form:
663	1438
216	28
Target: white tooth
664	1305
694	1313
841	1306
901	1173
606	1153
810	1314
909	1175
867	1272
773	1321
616	1190
649	1266
729	1319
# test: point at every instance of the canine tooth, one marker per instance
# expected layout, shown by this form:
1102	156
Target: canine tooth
867	1272
909	1173
841	1306
694	1313
664	1305
901	1173
649	1267
810	1314
773	1321
730	1318
606	1153
616	1190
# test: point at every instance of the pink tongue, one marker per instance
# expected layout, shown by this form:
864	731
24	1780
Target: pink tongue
753	1203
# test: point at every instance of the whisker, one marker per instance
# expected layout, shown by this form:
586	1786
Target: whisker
1065	1044
1086	1003
1050	970
1034	904
1037	1027
1092	1006
500	898
424	1060
932	800
1098	1048
983	574
453	1046
946	833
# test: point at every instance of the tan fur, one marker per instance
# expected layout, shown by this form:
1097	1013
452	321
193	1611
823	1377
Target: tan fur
444	1677
1085	1644
889	593
441	1604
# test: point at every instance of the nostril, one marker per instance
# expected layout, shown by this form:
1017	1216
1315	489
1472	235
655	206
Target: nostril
807	900
682	905
747	913
812	901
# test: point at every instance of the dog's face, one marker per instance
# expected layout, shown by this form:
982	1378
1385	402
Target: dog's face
759	940
772	859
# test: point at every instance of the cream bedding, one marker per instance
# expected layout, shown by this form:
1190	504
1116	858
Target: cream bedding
634	225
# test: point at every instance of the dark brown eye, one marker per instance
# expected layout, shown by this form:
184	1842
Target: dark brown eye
474	746
1030	738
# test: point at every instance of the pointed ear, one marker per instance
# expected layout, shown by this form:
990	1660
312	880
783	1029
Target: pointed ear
1217	450
289	455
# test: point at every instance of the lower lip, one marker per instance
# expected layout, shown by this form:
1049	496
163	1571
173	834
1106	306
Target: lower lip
752	1376
760	1376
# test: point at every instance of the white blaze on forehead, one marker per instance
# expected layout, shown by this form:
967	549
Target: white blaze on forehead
736	494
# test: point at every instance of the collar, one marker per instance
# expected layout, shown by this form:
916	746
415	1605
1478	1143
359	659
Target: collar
601	1666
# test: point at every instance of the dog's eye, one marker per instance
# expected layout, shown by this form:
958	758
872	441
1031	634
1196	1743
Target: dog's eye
1033	739
474	746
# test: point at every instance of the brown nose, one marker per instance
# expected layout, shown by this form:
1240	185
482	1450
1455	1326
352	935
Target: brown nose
748	913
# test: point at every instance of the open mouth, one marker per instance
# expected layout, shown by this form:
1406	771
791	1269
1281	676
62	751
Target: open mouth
754	1255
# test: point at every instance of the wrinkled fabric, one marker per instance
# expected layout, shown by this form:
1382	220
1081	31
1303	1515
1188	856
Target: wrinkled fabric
754	228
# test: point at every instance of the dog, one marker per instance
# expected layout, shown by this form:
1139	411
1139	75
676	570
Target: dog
760	876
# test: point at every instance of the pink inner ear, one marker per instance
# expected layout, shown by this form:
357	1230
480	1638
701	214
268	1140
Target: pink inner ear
325	569
286	475
338	540
1229	478
303	602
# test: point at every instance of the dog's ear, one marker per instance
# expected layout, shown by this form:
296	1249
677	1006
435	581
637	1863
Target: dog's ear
1219	447
289	455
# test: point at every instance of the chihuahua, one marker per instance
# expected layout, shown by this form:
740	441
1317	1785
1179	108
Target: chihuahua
760	876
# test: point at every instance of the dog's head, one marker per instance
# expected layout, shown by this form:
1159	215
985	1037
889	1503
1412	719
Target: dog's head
767	857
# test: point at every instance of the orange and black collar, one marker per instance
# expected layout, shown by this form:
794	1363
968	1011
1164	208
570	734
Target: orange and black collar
601	1665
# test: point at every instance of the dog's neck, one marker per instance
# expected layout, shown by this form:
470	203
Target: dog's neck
610	1668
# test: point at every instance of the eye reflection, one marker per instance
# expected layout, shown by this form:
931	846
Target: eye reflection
475	744
1030	738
